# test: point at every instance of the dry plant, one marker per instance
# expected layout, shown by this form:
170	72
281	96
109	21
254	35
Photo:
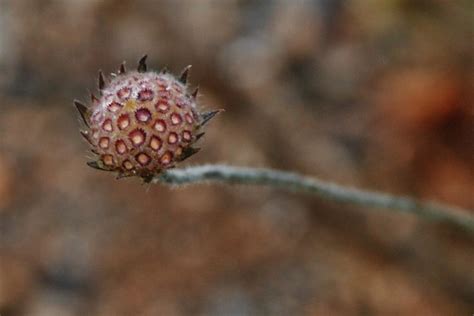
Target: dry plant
144	123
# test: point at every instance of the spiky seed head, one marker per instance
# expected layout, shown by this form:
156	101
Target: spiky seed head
144	122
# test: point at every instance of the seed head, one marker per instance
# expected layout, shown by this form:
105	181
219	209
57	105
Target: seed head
143	122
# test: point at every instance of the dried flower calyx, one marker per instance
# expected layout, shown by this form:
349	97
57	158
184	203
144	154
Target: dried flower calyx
143	122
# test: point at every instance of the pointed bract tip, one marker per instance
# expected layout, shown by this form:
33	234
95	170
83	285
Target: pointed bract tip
142	64
198	136
183	78
122	69
83	111
94	99
86	136
207	116
188	152
121	175
147	178
95	165
195	92
101	80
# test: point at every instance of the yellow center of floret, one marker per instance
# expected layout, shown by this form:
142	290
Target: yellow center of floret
130	105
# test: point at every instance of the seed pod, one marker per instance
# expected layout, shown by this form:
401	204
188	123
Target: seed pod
143	123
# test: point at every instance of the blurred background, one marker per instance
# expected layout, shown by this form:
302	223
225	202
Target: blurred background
376	94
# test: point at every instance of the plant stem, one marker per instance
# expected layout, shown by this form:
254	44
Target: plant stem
295	182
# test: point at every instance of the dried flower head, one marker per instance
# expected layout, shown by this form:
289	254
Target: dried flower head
143	122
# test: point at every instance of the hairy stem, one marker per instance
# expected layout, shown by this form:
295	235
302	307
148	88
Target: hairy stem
295	182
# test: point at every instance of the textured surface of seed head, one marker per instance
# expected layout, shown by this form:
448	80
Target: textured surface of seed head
155	143
137	137
143	122
172	138
143	115
175	119
104	142
160	126
107	125
121	147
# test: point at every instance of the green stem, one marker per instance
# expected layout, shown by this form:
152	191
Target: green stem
295	182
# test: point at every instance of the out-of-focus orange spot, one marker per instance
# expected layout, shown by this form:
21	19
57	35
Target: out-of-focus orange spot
418	97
